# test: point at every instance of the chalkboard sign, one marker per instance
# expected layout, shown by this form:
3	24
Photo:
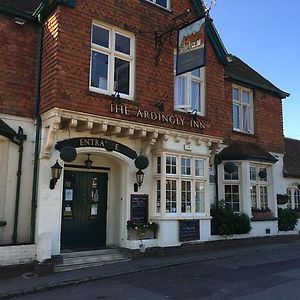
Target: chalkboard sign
139	208
189	230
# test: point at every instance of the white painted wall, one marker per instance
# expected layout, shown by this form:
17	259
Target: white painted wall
8	174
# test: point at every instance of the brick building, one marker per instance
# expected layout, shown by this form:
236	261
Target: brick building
92	86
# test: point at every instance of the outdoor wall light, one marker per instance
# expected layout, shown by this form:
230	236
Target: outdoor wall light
88	163
56	170
139	179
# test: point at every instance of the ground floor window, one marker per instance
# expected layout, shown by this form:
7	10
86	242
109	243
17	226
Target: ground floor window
293	193
180	184
232	196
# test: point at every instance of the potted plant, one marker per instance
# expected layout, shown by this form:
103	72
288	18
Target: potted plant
261	213
136	231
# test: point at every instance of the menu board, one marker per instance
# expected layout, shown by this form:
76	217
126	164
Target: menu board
189	230
139	208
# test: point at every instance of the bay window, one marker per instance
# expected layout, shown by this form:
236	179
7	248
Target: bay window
183	179
112	61
242	99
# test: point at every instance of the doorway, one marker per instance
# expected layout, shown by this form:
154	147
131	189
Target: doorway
84	210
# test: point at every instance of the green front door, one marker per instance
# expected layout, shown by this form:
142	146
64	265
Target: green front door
84	210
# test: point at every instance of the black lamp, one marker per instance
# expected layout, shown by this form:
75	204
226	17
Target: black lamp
56	170
139	177
88	163
139	180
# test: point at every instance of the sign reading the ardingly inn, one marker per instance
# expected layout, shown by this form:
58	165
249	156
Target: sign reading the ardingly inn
150	115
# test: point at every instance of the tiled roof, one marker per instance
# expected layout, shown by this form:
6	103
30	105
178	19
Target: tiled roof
291	160
240	71
28	6
239	150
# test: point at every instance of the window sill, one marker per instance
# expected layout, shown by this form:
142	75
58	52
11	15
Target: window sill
162	9
189	113
111	98
243	133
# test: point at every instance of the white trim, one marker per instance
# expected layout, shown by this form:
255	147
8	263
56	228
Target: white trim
167	7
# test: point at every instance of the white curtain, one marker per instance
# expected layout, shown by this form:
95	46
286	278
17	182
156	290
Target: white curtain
179	92
195	96
246	118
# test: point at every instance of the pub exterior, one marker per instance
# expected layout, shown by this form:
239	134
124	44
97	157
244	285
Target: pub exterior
113	135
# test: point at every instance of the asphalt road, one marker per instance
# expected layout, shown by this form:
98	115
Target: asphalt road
270	275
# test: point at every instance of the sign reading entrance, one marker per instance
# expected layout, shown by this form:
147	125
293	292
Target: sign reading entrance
189	230
139	208
97	143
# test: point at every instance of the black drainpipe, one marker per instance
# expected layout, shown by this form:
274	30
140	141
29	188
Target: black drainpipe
216	160
21	138
38	124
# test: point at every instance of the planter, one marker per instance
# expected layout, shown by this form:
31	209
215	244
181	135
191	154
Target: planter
133	234
262	215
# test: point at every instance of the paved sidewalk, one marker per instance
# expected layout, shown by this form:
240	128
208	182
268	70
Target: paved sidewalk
18	286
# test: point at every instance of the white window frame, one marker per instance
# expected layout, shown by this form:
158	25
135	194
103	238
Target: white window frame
259	183
231	182
239	102
112	54
291	190
155	3
179	177
189	79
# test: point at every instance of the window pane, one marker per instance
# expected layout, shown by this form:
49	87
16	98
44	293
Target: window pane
100	36
236	116
162	3
180	91
171	165
185	166
246	97
253	196
297	198
158	169
232	197
122	44
171	196
200	196
186	196
158	198
252	173
289	194
99	70
122	71
235	94
199	167
263	170
246	118
196	94
263	197
196	72
232	176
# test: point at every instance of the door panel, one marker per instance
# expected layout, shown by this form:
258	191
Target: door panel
84	210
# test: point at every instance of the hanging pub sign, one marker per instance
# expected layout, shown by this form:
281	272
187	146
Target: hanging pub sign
191	47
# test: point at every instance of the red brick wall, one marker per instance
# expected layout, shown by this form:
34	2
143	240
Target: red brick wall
17	67
268	126
67	63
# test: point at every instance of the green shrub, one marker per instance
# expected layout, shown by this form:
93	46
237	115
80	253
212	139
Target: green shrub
226	222
242	224
287	219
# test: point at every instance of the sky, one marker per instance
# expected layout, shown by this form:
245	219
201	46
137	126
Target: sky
265	34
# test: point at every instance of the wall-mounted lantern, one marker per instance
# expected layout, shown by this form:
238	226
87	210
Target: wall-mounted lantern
139	179
56	170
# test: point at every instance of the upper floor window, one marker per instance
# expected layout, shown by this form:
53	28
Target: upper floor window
162	3
112	61
242	99
189	91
